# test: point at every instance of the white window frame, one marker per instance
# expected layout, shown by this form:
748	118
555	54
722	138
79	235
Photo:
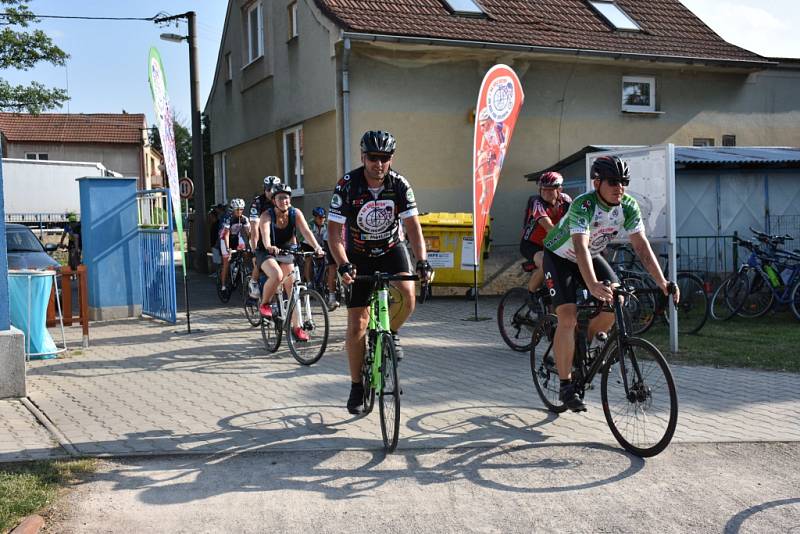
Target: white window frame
293	30
609	10
255	6
37	156
228	67
639	108
293	178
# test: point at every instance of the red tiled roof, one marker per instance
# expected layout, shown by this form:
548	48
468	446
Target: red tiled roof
668	28
73	127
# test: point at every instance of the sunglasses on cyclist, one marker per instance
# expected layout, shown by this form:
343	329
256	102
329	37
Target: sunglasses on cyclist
383	158
614	182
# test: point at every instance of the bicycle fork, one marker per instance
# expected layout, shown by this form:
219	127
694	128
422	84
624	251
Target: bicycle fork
380	323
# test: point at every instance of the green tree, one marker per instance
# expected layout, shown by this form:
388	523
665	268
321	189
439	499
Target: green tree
22	48
183	146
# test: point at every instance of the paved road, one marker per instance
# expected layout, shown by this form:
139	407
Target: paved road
532	487
148	388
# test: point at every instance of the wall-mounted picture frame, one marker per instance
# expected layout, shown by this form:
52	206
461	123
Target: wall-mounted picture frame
639	93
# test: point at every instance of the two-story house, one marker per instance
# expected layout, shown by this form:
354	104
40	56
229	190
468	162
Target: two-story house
117	140
299	81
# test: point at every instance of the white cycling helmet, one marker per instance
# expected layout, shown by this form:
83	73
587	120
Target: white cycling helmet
270	182
237	204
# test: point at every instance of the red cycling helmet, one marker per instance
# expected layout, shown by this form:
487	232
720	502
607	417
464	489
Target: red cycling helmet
551	179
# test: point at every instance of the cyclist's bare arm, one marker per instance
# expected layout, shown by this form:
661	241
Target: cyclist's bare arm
414	233
596	288
306	232
337	247
545	223
263	229
645	253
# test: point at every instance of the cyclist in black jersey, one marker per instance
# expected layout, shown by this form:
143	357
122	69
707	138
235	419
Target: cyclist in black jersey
233	235
278	226
259	204
369	202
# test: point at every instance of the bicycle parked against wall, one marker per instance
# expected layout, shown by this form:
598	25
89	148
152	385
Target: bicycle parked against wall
649	303
379	372
768	278
638	393
303	310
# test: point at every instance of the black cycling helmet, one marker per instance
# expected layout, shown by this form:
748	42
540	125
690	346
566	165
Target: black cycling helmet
270	182
609	167
378	141
277	189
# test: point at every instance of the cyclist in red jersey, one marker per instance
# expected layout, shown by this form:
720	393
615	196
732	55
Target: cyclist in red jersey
542	213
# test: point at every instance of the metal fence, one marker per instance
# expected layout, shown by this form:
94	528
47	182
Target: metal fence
709	256
784	224
158	263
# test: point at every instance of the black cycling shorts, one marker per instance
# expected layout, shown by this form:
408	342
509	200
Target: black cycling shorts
528	249
562	277
393	262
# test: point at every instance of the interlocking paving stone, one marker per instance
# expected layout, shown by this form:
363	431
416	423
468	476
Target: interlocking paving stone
21	435
147	387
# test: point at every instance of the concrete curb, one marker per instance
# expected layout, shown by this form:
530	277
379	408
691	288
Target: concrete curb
44	420
30	525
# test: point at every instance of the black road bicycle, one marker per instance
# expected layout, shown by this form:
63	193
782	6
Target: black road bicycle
637	390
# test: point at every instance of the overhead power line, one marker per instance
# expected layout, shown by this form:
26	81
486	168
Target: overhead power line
32	16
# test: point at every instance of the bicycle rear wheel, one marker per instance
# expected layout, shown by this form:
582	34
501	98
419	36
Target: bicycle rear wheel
543	364
251	310
366	383
760	297
729	297
515	319
794	300
272	329
389	407
693	306
313	320
224	295
639	398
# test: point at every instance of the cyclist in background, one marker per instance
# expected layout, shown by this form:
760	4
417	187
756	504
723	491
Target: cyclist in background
233	235
369	203
319	227
278	226
572	254
260	203
541	215
72	230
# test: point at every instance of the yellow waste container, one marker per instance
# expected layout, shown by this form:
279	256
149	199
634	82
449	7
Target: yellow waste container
448	238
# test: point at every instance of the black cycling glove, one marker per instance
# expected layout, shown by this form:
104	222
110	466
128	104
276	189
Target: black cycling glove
346	268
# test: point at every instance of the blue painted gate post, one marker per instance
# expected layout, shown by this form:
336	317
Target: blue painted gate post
110	237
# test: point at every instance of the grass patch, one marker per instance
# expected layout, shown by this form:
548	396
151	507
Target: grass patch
26	488
771	342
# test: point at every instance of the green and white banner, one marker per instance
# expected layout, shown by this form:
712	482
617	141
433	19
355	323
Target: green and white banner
165	120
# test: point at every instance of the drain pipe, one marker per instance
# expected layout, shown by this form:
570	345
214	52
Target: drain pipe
346	105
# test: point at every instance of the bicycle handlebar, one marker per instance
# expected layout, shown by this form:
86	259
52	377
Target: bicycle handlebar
386	277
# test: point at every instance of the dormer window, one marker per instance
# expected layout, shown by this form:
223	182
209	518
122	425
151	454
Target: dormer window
615	16
464	7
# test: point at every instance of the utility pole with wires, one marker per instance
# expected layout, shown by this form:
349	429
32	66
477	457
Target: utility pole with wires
200	232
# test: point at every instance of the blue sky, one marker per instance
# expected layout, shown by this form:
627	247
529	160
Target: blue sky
107	71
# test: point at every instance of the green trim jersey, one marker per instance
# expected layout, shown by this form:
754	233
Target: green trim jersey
602	223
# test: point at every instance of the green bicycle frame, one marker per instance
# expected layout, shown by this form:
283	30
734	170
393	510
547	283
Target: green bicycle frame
378	323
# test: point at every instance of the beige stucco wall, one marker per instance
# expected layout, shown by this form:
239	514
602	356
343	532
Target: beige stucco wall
426	104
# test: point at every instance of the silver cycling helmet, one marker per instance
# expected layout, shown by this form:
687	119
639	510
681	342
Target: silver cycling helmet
237	204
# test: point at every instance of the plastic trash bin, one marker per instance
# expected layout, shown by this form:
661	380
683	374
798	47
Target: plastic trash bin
29	293
448	239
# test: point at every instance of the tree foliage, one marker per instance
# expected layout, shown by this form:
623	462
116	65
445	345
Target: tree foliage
22	48
183	146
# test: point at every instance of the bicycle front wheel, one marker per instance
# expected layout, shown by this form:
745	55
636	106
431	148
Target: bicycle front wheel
639	397
515	319
307	333
251	310
389	395
543	364
729	296
224	295
693	306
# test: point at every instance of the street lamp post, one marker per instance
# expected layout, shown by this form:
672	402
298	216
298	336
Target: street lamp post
200	230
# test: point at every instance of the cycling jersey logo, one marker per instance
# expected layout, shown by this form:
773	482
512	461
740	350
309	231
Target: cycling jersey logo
336	201
410	195
500	98
375	218
586	205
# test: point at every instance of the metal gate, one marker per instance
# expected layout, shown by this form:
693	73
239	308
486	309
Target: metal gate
157	254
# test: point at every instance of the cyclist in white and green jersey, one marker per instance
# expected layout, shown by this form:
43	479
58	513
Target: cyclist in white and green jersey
572	253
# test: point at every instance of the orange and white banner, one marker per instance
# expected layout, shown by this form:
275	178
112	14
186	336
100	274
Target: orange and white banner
499	102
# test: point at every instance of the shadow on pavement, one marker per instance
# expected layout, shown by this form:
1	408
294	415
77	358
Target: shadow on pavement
735	524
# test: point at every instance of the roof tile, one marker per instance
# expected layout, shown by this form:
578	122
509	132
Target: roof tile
668	28
118	128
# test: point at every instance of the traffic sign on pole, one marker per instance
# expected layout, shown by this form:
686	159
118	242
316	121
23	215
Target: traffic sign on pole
186	187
